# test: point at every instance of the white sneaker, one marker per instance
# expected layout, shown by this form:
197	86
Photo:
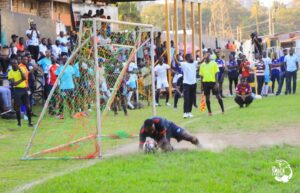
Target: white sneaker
168	104
156	104
185	115
25	118
190	115
90	110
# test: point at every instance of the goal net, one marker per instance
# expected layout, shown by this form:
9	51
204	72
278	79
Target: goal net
108	77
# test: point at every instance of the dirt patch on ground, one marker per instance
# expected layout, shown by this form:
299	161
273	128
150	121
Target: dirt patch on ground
210	141
219	141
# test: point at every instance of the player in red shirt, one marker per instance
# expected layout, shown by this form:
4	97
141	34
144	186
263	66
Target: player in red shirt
51	80
243	93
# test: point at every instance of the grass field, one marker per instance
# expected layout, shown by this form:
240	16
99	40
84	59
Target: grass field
269	113
230	171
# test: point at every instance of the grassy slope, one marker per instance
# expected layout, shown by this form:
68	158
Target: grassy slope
230	171
262	115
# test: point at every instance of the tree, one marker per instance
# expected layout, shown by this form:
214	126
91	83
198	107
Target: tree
129	12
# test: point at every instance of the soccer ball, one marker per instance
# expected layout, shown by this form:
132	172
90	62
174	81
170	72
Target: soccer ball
150	146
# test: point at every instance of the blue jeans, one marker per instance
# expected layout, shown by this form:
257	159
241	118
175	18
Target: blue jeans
289	77
5	97
281	81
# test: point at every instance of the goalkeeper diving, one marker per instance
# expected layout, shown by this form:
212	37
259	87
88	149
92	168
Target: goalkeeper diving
162	130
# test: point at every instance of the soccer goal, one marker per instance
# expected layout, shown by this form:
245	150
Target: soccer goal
110	70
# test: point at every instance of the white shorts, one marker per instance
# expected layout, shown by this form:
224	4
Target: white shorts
161	83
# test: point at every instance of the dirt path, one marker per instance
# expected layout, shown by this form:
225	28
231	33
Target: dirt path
210	141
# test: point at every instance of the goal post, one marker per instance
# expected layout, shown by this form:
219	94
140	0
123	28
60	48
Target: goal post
101	59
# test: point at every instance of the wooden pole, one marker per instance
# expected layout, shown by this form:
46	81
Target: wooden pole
199	29
168	46
193	29
184	27
175	27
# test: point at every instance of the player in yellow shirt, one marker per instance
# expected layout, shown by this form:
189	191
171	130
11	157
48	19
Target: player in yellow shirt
17	78
208	73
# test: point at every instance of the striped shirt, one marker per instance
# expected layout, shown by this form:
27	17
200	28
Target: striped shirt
260	68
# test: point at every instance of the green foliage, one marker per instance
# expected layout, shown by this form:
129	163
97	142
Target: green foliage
129	12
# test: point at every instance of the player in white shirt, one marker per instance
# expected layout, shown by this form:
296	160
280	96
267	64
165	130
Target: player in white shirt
267	79
131	82
161	71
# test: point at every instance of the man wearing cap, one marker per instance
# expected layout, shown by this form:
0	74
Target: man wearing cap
33	40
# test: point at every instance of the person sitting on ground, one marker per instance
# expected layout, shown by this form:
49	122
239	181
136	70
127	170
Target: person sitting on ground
162	130
243	93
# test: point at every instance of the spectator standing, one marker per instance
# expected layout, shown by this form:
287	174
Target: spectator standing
55	50
43	48
260	73
33	41
51	80
233	74
282	72
275	71
13	46
44	64
161	71
189	69
63	44
67	87
20	45
292	67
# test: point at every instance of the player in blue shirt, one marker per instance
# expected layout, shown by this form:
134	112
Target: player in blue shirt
67	87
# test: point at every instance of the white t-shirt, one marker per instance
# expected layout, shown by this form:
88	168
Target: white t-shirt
43	49
267	62
63	40
189	72
34	41
161	71
55	51
132	67
291	62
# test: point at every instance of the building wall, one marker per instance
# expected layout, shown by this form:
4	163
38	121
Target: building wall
5	5
61	12
17	23
29	7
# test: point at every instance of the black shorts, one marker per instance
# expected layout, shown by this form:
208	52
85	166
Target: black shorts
210	86
67	94
176	132
21	96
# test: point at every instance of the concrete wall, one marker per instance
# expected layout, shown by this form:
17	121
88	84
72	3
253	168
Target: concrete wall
16	23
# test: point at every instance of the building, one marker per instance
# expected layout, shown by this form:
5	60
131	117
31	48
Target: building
51	16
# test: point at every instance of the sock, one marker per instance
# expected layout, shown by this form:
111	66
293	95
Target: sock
18	113
129	96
